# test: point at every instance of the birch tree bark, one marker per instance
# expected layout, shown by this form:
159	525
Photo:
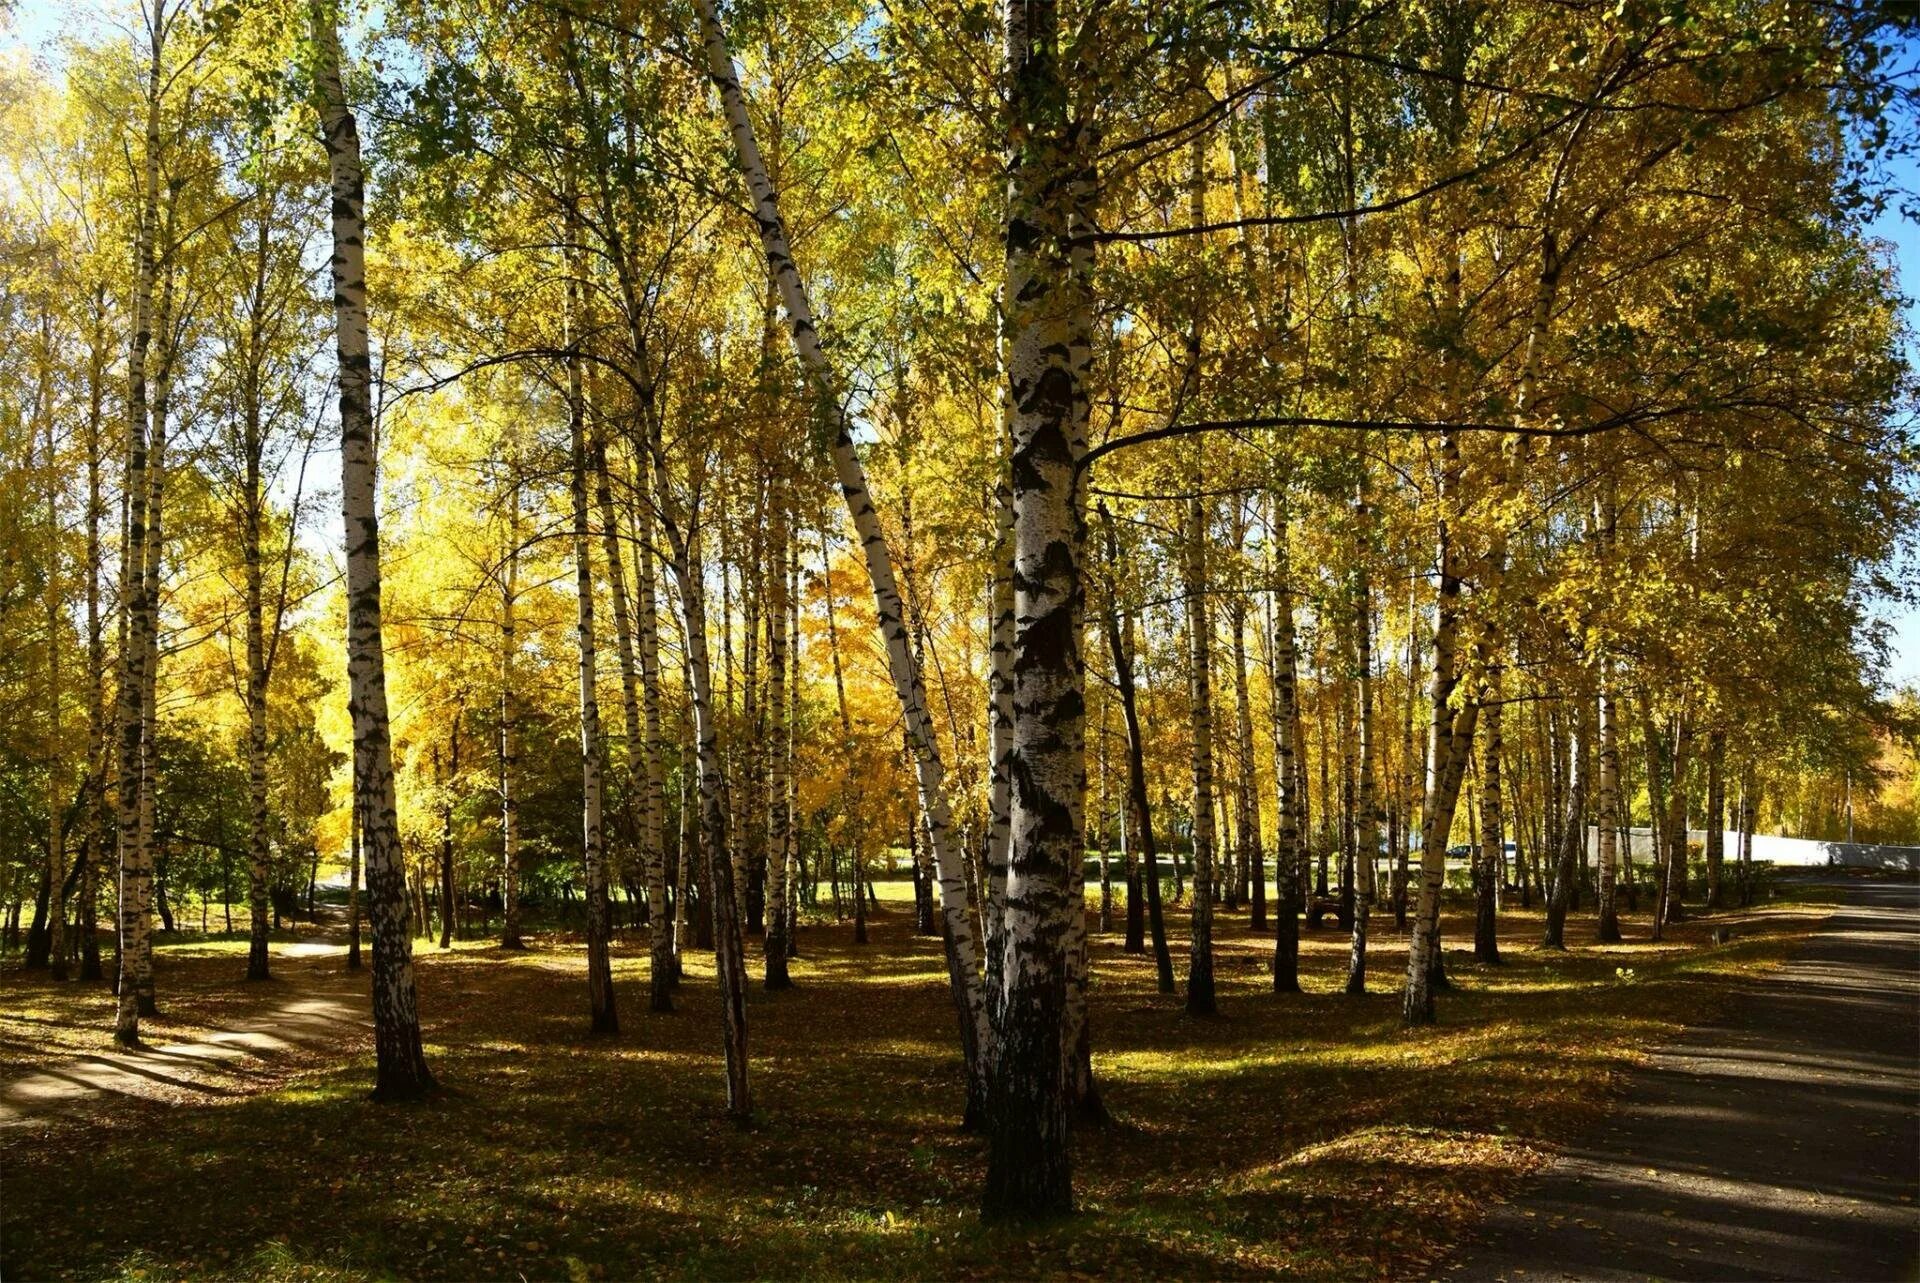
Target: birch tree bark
1289	858
136	857
1608	926
1450	740
401	1066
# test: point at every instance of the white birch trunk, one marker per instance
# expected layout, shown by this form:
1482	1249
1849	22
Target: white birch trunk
401	1063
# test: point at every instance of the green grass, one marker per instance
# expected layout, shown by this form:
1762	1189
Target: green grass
1308	1135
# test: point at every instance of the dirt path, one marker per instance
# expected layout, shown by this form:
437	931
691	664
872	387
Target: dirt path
244	1058
1780	1143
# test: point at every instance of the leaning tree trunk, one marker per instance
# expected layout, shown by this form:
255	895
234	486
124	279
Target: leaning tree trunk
963	963
401	1063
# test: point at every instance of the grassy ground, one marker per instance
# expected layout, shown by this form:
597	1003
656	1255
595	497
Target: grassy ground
1309	1135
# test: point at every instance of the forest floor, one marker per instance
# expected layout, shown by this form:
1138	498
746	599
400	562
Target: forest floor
1309	1134
1781	1141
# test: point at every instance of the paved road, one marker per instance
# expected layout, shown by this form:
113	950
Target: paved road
1780	1143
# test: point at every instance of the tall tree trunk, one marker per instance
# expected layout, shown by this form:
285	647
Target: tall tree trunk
613	548
1247	798
1450	742
728	945
1120	642
100	823
56	748
1674	890
852	777
1366	800
446	783
1716	815
963	963
353	885
779	819
1047	322
510	728
1749	809
1200	996
664	961
600	1002
1573	828
1608	927
258	843
1491	857
1289	860
401	1064
136	857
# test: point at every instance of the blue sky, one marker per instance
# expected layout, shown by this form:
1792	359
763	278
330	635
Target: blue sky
1904	236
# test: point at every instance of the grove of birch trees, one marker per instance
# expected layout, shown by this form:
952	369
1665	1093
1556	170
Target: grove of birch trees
1142	470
